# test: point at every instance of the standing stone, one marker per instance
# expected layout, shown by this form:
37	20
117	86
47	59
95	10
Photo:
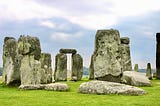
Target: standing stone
126	58
60	73
11	74
77	67
107	56
158	56
91	69
30	67
136	67
148	71
46	75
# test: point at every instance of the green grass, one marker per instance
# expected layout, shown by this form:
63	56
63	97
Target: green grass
11	96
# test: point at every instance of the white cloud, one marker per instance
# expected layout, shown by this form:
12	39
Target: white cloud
64	37
48	24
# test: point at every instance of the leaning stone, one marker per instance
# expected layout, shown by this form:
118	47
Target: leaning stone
60	73
73	51
104	87
107	60
46	74
136	67
77	67
32	87
125	57
11	73
56	87
158	56
148	71
135	79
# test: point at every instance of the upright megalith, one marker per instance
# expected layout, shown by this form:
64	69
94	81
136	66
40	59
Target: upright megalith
30	66
158	56
136	67
125	57
148	71
77	67
60	73
91	69
46	72
107	56
11	74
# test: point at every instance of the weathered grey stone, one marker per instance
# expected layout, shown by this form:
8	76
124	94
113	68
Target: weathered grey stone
57	87
158	56
60	73
28	45
73	51
46	74
135	79
136	67
104	87
11	73
125	40
107	56
32	87
77	67
125	58
91	69
30	68
148	71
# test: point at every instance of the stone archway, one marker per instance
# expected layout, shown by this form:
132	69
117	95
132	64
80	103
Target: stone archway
60	73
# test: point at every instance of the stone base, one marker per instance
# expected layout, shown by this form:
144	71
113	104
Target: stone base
110	78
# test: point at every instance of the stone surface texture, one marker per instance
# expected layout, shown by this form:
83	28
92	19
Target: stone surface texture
149	71
104	87
77	67
135	79
72	51
60	73
56	87
125	57
107	56
11	73
158	55
136	67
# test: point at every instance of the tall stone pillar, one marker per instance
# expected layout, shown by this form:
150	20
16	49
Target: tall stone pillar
107	60
46	74
126	58
148	71
30	66
158	56
11	73
77	67
136	67
91	69
60	73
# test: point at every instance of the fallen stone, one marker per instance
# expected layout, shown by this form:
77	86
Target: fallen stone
32	87
135	79
56	87
104	87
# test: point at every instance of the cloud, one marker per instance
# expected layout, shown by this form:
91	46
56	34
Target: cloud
65	37
48	24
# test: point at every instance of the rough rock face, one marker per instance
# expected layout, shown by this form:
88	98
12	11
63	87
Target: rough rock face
30	66
158	56
136	67
104	87
126	58
77	67
148	71
60	73
73	51
107	56
56	87
135	79
32	87
11	74
91	69
46	72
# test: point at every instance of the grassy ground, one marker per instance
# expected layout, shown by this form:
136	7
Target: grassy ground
11	96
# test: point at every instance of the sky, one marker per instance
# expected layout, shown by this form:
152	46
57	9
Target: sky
73	24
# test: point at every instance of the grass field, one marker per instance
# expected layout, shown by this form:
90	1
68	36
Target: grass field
11	96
